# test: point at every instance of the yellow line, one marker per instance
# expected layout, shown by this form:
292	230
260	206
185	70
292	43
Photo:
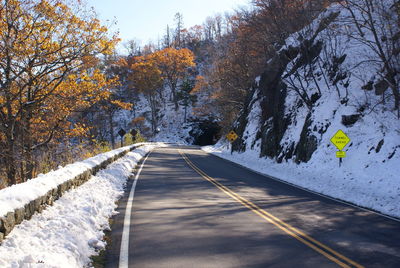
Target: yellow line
292	231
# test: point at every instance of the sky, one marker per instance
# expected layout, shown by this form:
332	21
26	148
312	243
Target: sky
147	20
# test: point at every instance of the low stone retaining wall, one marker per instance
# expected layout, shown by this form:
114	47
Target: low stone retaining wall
13	218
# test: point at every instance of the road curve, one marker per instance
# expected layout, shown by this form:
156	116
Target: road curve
193	209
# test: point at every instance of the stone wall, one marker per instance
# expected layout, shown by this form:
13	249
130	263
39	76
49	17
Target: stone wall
12	218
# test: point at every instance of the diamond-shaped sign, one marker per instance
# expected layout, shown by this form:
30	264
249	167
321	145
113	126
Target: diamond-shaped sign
121	132
340	140
232	136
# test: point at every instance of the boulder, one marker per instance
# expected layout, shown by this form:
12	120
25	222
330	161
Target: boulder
349	120
7	223
19	215
381	87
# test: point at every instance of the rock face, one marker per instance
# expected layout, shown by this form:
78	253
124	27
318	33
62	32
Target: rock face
11	219
307	144
279	110
275	119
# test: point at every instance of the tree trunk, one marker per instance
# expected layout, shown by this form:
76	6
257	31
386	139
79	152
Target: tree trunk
174	96
396	95
153	106
27	147
185	112
11	169
111	125
30	164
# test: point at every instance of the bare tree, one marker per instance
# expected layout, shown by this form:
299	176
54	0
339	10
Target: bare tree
374	24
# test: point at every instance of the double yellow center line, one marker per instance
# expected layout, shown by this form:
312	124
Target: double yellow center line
288	229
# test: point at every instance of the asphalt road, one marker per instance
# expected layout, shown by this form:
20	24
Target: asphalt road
192	209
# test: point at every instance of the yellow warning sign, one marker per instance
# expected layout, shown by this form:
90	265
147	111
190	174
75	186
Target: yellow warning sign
340	140
232	136
340	154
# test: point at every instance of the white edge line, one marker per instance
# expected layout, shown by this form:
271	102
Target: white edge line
124	250
307	190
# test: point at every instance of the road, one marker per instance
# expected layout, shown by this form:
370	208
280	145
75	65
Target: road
193	209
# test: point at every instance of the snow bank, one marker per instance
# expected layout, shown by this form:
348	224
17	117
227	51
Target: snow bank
370	173
68	233
17	196
375	189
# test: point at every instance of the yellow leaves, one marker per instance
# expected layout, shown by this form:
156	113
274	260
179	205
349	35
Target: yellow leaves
174	60
90	61
122	105
78	130
87	88
146	75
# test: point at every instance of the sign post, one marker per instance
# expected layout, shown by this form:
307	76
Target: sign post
134	133
122	133
340	140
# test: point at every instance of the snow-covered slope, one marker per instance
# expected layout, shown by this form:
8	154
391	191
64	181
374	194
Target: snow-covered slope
293	139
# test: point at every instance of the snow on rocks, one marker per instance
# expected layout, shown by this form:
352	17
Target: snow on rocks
69	232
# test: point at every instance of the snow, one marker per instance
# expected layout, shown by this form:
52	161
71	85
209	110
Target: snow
372	187
68	233
17	196
173	127
368	177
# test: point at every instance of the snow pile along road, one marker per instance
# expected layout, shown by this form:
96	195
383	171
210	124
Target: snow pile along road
346	183
68	233
18	195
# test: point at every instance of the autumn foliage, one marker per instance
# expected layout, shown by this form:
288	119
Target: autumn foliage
48	57
153	71
173	64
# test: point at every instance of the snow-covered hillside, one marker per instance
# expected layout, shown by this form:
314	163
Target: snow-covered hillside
176	126
291	130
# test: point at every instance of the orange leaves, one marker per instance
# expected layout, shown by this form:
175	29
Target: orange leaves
89	61
78	130
146	74
151	70
77	92
174	61
200	84
122	105
48	58
168	65
138	121
86	89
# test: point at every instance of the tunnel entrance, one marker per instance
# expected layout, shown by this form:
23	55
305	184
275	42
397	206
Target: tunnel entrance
205	132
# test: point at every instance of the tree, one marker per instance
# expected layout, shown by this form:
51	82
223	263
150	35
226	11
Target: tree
47	54
173	64
147	78
184	95
373	23
167	38
178	30
133	47
110	105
